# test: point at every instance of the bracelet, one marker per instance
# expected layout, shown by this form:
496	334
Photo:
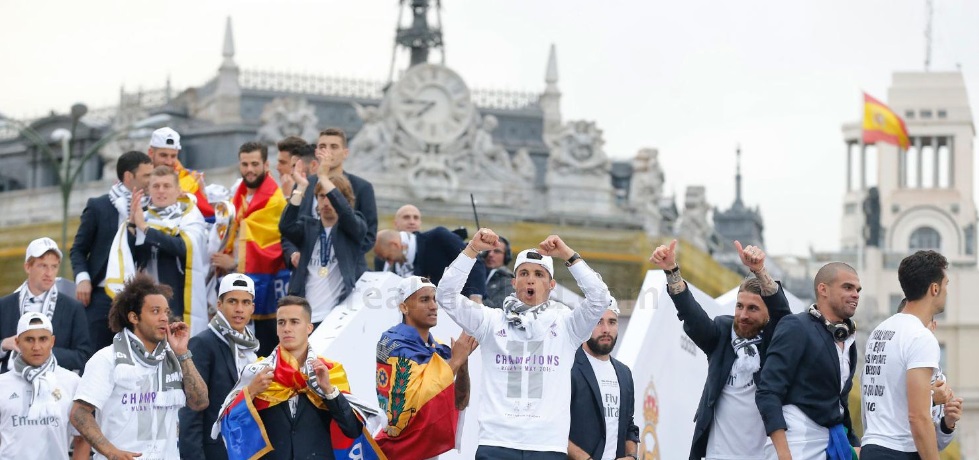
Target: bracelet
185	356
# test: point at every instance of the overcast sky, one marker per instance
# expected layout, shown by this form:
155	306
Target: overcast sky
692	79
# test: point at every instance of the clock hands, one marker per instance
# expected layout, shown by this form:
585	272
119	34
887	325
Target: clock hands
426	106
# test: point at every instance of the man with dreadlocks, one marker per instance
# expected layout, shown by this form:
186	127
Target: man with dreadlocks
127	402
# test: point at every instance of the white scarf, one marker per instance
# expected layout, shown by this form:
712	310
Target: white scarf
47	304
748	359
45	385
121	198
128	349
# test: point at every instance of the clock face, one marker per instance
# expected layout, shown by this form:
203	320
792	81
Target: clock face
432	103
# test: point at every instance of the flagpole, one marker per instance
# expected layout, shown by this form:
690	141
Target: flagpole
863	182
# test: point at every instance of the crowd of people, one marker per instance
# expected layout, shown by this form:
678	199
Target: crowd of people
187	335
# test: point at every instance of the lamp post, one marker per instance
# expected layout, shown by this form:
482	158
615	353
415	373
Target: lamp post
69	169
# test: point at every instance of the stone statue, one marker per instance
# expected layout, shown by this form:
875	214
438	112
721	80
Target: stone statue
524	166
692	224
288	116
871	211
370	148
646	187
491	160
580	152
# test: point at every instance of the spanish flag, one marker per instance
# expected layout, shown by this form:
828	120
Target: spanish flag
881	124
259	243
415	387
188	183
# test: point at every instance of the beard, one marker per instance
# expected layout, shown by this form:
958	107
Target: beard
258	180
747	331
601	348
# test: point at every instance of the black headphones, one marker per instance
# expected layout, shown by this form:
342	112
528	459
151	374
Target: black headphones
839	331
507	253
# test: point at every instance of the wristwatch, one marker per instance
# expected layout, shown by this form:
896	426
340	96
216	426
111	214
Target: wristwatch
672	270
574	258
185	356
333	394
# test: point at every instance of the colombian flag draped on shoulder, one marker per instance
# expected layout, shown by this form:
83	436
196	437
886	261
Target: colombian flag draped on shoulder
881	124
241	426
259	243
415	387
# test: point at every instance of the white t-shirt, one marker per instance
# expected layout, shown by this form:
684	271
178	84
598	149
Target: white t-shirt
608	385
123	396
43	437
323	292
897	345
738	432
526	373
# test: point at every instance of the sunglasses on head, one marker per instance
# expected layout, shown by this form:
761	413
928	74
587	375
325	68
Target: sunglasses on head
535	256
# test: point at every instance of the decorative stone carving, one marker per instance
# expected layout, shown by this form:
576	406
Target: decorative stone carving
693	225
371	147
524	166
580	152
288	116
491	160
646	188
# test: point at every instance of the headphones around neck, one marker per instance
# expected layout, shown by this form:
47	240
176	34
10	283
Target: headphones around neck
839	331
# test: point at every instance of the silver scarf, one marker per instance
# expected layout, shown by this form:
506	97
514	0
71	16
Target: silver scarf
238	340
128	349
748	360
45	385
517	312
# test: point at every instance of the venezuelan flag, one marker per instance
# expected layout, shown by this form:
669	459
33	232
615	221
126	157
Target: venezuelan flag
881	124
415	387
260	243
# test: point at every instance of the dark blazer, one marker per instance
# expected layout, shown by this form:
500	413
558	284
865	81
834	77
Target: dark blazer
437	248
363	202
304	230
714	338
802	368
93	240
213	359
171	261
72	345
307	435
588	411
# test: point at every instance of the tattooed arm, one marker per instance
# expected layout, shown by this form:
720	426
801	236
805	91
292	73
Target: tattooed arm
194	386
83	419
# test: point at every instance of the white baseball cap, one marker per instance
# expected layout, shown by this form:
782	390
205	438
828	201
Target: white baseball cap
40	246
236	282
165	138
531	256
24	324
614	306
411	285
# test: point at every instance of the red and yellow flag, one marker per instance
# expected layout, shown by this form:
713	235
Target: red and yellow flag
881	124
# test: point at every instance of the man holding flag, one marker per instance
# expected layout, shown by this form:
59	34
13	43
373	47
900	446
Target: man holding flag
293	404
255	245
415	376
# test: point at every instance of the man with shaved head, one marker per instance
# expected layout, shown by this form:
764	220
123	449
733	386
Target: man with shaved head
408	219
805	383
427	254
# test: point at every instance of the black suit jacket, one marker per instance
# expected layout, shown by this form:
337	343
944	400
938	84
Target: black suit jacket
364	203
307	435
90	251
588	411
348	232
216	364
802	368
714	338
72	345
436	249
171	261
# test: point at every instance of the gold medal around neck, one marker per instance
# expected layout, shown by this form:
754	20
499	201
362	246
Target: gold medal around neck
323	272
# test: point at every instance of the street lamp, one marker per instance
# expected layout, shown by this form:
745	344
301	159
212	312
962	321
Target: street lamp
68	170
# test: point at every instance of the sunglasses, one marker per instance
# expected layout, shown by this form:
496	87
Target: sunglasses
534	255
